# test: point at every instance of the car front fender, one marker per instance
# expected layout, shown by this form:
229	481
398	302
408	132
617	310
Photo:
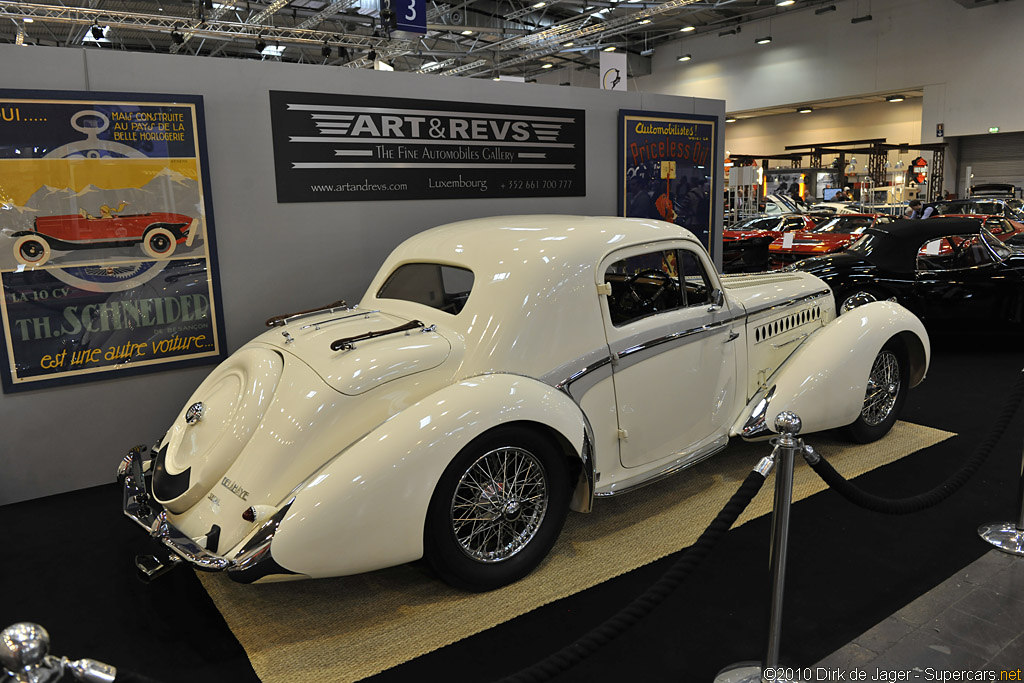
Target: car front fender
366	508
825	380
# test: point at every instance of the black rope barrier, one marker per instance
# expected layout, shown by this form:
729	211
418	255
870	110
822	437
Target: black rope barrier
643	604
902	506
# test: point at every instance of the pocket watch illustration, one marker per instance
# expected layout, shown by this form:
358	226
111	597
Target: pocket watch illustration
92	147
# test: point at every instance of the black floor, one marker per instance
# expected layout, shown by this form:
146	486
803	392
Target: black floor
67	566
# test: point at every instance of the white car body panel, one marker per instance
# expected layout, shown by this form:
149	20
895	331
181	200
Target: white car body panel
386	505
352	443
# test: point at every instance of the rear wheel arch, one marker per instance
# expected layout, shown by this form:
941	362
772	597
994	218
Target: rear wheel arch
512	522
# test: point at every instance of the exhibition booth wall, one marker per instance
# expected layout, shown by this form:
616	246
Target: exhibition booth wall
273	257
960	56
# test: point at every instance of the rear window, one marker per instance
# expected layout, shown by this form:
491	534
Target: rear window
445	288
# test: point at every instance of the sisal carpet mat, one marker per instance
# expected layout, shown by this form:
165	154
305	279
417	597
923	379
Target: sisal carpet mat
344	629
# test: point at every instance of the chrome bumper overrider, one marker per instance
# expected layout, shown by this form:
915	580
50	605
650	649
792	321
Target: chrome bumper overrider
145	511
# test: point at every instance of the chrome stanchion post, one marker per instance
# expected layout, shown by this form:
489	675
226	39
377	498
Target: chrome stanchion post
788	425
1008	536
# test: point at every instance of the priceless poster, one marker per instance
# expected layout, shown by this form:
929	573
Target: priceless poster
107	258
666	167
332	148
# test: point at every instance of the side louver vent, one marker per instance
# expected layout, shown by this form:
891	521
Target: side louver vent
786	323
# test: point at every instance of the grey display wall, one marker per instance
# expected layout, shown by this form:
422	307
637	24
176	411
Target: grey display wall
274	258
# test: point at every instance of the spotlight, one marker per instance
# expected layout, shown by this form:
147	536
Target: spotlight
763	41
687	29
467	32
97	32
610	48
825	10
568	44
496	78
343	53
804	110
372	56
28	20
177	37
728	32
684	58
647	53
784	3
325	50
645	21
730	120
860	20
549	65
895	98
261	44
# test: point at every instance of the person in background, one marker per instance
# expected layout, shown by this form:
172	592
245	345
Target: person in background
913	209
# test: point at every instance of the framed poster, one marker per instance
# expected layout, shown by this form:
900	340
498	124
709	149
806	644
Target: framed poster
666	168
333	148
107	256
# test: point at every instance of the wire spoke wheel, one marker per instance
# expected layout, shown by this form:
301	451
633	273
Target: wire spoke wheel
883	389
499	504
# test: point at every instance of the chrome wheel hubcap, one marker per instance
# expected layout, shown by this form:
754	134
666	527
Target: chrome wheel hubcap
883	388
499	504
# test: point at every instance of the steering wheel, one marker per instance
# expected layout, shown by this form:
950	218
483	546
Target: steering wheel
648	301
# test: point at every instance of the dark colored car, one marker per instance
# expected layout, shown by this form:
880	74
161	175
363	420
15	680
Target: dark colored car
945	270
745	244
990	206
833	234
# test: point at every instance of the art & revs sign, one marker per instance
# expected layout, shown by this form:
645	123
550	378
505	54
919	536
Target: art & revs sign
349	147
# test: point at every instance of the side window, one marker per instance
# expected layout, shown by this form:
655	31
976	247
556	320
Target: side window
445	288
697	285
643	285
794	224
954	252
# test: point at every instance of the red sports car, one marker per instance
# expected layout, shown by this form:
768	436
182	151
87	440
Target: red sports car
828	236
158	234
1006	229
745	244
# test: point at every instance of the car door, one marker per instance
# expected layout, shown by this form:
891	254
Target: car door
962	278
673	351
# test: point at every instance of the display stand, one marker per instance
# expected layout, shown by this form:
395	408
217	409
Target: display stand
788	425
1008	536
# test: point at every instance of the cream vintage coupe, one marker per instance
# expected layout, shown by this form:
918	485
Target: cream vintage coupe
498	373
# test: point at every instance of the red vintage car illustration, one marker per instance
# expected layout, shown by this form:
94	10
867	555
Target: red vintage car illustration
158	234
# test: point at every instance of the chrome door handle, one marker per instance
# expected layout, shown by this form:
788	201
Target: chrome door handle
733	336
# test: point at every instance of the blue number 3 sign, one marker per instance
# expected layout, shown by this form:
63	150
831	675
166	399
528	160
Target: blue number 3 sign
410	15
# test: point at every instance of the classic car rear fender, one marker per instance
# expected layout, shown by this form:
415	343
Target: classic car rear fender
825	380
366	508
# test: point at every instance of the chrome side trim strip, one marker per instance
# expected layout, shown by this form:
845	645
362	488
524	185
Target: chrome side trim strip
790	302
645	346
676	466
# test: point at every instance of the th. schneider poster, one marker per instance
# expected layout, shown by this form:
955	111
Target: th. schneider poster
330	148
666	168
107	257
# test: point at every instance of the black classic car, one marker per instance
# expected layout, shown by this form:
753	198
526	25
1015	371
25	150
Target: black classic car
945	270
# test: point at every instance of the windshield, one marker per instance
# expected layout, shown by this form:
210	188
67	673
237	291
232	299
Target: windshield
864	245
845	225
757	223
995	244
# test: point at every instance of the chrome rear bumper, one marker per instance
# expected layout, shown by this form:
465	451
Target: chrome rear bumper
251	563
